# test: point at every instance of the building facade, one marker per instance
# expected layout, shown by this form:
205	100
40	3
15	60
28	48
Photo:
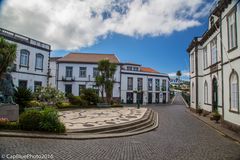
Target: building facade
215	64
143	85
31	67
76	71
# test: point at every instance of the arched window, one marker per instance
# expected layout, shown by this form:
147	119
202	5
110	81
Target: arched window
205	92
192	92
234	92
39	61
24	58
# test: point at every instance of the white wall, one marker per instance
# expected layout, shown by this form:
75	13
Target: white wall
89	80
30	74
124	89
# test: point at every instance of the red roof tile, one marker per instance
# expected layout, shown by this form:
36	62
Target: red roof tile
150	70
88	58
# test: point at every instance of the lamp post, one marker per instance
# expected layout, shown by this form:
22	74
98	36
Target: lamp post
138	100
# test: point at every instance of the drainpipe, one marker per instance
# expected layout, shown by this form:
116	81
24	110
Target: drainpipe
221	45
196	67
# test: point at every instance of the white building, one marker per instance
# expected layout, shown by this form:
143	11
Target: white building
32	62
76	71
143	84
215	64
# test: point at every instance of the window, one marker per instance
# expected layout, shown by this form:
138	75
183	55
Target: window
24	58
150	84
135	68
95	72
129	68
130	83
22	83
83	72
212	21
81	87
69	71
37	84
214	50
39	61
192	62
192	92
157	83
205	92
68	89
234	92
140	84
205	57
232	30
164	85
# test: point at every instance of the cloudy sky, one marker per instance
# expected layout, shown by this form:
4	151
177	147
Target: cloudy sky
154	33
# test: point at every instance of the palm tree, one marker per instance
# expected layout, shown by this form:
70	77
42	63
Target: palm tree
105	79
7	55
179	74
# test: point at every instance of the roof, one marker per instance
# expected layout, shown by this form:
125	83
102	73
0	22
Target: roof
54	58
131	63
88	58
149	70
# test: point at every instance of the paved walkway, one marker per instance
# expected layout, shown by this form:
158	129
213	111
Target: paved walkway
81	119
180	136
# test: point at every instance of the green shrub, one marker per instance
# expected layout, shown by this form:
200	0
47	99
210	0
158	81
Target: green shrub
50	121
22	97
30	120
35	103
63	105
90	96
117	105
75	100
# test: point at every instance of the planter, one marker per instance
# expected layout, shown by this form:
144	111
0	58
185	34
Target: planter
216	117
199	111
103	105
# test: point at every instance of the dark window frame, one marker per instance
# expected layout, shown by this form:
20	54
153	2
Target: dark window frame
42	56
23	51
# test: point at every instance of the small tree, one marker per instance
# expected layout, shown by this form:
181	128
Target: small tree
105	79
179	74
7	55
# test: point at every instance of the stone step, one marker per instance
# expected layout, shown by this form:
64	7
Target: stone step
123	126
140	124
150	125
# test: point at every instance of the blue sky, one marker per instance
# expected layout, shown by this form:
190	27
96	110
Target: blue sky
154	33
164	53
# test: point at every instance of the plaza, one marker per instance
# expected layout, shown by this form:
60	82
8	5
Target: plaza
180	136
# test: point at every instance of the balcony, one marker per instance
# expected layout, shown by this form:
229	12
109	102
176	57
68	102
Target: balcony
68	79
23	39
214	67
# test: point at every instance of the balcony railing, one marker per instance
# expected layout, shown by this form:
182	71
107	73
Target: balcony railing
69	79
21	38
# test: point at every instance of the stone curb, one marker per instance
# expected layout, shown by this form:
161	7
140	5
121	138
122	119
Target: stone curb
223	133
77	136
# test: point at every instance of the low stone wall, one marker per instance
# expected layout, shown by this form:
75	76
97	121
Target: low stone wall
9	111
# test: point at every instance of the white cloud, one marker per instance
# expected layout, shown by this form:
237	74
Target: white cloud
74	24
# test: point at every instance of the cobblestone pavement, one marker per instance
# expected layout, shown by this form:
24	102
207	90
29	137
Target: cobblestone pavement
91	118
180	136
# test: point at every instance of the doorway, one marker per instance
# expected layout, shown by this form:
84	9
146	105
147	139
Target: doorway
214	94
130	97
149	98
